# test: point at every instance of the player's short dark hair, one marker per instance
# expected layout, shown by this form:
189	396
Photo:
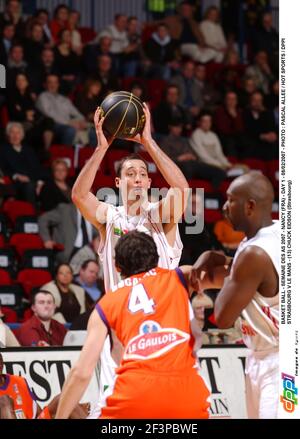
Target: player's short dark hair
135	253
130	157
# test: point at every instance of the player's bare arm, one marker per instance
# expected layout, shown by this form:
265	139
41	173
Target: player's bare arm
174	204
82	196
252	271
81	374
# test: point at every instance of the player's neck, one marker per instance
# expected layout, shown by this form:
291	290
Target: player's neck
254	229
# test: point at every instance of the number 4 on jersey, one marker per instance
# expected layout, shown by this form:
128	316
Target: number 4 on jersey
140	301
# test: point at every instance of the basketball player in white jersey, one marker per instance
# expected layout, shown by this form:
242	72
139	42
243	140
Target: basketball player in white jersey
250	293
160	219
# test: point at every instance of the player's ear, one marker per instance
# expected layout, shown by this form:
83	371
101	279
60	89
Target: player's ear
149	182
117	181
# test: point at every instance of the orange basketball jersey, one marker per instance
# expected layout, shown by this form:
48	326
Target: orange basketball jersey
150	315
16	387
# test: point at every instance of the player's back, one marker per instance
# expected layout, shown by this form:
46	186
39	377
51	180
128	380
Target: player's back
150	315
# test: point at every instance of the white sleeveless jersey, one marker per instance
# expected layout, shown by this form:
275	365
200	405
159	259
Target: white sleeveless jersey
260	319
118	223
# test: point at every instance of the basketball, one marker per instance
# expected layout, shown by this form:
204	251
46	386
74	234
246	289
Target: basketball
124	115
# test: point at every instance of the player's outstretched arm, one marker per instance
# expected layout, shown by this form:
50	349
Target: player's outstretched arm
81	374
82	196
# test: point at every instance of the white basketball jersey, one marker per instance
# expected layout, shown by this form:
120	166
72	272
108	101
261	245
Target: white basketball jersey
118	223
260	319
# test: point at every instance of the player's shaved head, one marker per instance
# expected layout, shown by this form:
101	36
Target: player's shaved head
256	186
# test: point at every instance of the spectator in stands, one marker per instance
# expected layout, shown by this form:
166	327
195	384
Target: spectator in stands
21	107
92	51
118	34
266	38
210	95
64	225
133	53
76	40
180	151
139	90
7	189
184	28
272	101
213	33
68	121
87	252
206	145
229	124
228	237
67	62
6	42
190	93
169	109
260	130
41	16
261	72
42	329
162	54
60	21
7	337
248	88
33	45
20	163
13	15
89	281
105	75
56	190
69	298
15	64
45	67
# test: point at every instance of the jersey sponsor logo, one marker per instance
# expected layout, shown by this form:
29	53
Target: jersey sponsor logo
153	341
247	330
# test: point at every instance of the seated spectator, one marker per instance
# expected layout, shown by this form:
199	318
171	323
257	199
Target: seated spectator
190	92
180	151
21	107
260	130
248	88
68	121
210	95
89	281
87	252
162	54
67	62
21	164
105	75
41	16
169	109
138	89
261	72
7	189
132	54
76	40
206	144
42	329
56	190
7	337
65	225
86	101
272	101
228	237
69	298
266	38
33	45
229	124
91	52
45	67
184	28
15	64
6	42
13	14
213	33
60	21
119	41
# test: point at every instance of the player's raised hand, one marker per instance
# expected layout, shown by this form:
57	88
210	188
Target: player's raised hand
103	142
146	135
